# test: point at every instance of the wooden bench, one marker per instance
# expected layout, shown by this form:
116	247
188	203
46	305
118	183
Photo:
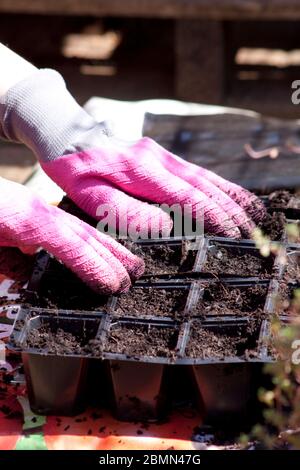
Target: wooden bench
199	41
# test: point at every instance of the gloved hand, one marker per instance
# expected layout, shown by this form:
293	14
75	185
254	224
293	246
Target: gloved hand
26	221
95	169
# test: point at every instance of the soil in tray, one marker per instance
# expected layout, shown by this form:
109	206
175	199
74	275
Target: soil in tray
221	342
163	258
58	342
222	299
273	225
151	301
237	262
142	340
284	199
61	289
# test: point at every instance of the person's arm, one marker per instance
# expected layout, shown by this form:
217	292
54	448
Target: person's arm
13	69
98	172
28	223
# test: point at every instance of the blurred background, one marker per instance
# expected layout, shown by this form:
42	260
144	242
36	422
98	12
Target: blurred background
243	54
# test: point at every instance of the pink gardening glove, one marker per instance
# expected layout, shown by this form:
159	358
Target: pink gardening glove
29	223
119	176
96	170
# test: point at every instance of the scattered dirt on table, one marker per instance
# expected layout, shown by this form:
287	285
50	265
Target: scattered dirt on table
273	225
237	261
284	199
164	258
221	342
222	299
54	342
151	301
142	340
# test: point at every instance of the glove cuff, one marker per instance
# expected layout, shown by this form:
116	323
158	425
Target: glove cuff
41	113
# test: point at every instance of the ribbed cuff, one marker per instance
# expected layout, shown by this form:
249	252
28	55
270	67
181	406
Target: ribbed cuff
41	113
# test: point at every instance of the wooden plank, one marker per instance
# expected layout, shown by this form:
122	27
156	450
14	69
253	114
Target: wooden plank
199	61
212	9
217	141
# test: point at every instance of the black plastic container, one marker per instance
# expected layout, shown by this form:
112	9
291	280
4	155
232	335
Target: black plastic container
224	388
227	387
140	383
56	382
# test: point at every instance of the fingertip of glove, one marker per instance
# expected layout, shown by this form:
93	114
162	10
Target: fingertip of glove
137	269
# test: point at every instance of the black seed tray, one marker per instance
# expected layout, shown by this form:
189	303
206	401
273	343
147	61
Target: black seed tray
141	385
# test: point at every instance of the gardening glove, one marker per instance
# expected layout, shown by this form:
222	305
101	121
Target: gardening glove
95	170
27	222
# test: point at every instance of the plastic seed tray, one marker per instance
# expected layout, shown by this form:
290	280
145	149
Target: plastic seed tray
140	384
196	295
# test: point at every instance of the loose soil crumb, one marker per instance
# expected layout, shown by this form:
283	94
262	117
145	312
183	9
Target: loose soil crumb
273	225
284	199
164	259
237	261
142	340
219	343
223	299
151	301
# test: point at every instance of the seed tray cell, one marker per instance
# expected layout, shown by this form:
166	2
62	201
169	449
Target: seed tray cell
55	361
54	286
227	258
167	257
228	372
137	353
233	297
160	299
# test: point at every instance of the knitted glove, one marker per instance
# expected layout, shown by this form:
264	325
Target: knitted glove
29	223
